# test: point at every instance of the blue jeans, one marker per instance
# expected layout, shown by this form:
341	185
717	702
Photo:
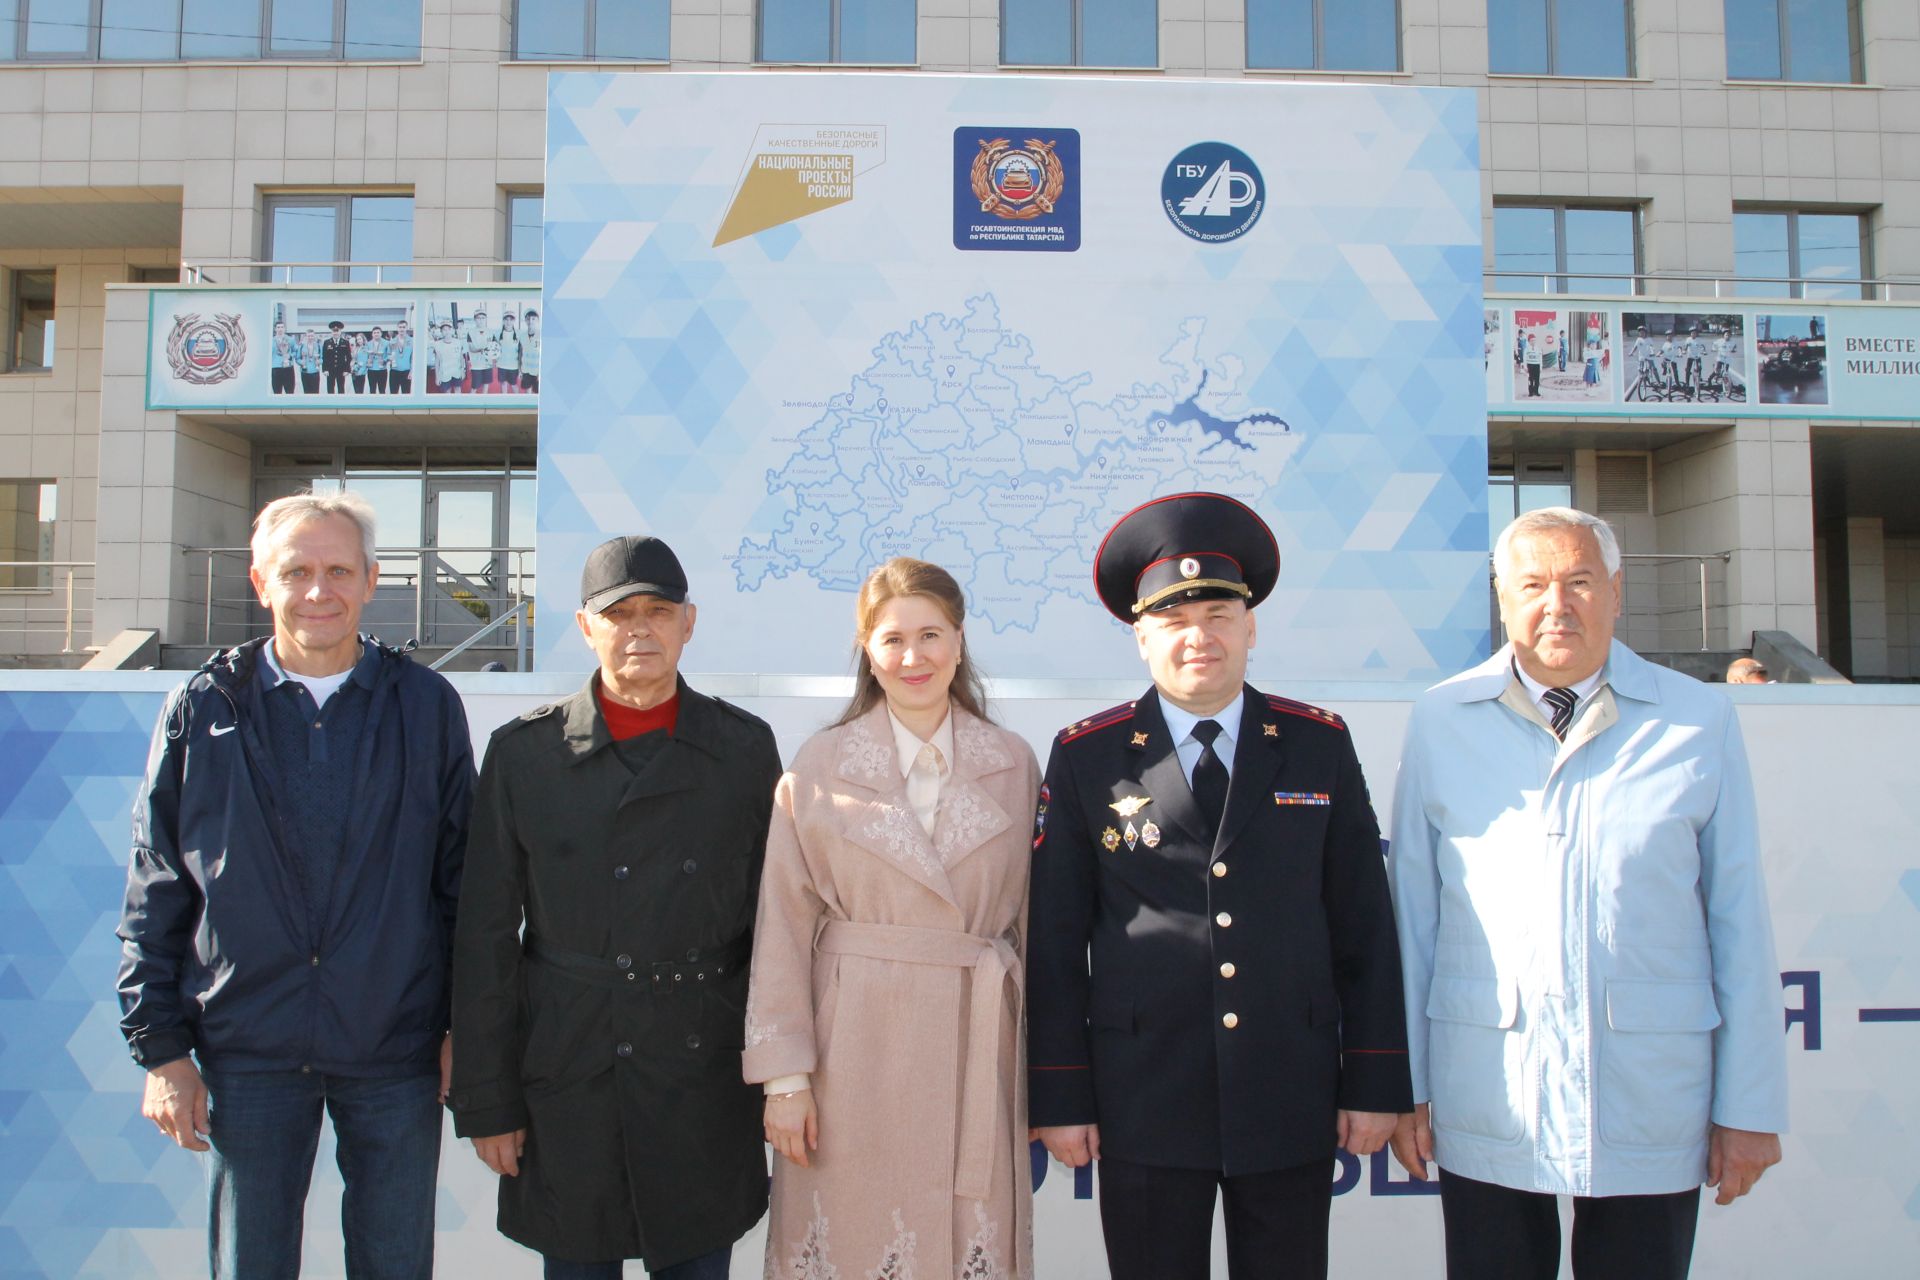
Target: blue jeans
708	1266
266	1127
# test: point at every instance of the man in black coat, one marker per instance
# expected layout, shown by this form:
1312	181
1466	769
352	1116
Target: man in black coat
597	1058
1213	979
336	357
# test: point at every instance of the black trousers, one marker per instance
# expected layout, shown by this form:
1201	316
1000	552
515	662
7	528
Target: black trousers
1158	1223
1497	1233
310	382
377	380
282	380
336	380
400	380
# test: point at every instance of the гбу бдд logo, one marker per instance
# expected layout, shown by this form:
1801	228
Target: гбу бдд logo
1213	192
1016	189
206	351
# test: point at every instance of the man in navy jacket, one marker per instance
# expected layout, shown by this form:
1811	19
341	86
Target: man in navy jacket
297	847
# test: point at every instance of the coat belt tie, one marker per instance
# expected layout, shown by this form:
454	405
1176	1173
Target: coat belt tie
994	964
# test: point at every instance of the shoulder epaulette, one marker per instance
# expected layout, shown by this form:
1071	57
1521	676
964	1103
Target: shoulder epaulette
527	717
1305	710
1096	722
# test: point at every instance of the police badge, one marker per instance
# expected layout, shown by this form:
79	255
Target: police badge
1017	183
1111	839
203	352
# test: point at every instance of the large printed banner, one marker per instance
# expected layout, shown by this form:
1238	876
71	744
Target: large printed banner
298	347
801	323
1650	358
89	1191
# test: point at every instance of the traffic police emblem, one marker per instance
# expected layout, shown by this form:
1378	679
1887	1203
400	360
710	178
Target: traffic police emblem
203	352
1017	182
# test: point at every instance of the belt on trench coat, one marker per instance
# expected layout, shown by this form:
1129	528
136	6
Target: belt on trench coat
668	976
994	964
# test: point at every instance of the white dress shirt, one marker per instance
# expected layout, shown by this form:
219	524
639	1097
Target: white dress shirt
1582	692
1180	724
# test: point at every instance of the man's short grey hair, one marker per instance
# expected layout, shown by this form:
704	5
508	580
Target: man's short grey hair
1547	519
284	513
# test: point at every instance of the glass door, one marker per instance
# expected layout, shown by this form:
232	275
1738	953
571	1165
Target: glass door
469	577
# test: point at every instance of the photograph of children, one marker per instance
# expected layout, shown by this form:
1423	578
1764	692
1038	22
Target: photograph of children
1496	366
356	349
480	346
1698	357
1793	358
1562	355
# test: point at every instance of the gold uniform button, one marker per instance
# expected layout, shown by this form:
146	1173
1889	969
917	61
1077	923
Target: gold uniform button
1224	920
1230	1021
1227	970
1219	869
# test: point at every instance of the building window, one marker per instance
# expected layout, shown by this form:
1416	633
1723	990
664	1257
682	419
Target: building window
1809	40
177	30
1565	249
1521	482
1324	35
1079	33
315	238
1790	254
865	31
27	512
590	30
523	236
1559	37
29	322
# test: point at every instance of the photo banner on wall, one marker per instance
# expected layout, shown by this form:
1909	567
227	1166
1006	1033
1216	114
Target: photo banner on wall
299	347
801	323
1647	357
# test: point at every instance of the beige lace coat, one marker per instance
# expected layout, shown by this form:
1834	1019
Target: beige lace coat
889	964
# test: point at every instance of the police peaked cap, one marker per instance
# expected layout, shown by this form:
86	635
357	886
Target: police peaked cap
1186	546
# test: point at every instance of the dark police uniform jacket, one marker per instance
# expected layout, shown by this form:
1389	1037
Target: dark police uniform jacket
613	1031
1240	990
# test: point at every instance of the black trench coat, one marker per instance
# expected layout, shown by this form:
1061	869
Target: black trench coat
612	1031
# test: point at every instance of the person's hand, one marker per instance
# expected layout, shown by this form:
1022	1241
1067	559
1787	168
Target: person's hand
1071	1144
176	1102
446	1066
1413	1142
793	1124
1736	1158
501	1153
1364	1132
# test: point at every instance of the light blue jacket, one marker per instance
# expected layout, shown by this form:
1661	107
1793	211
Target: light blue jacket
1589	964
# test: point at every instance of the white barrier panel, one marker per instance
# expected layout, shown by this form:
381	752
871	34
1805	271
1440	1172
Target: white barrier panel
87	1189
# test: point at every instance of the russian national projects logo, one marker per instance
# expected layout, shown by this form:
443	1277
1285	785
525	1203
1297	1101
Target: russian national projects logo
1213	192
794	170
1016	189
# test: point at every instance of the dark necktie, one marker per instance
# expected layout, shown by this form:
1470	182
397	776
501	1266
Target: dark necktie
1562	702
1209	775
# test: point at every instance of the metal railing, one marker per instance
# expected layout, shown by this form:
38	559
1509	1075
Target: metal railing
520	639
256	271
1677	596
1724	287
66	585
418	591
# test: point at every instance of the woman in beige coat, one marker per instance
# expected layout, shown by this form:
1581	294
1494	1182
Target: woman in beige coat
885	1014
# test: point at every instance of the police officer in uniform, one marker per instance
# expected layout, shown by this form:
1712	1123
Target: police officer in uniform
1213	985
597	1055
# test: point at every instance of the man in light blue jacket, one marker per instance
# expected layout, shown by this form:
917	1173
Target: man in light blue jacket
1593	1005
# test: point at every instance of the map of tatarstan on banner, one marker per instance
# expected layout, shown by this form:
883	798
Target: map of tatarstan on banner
959	445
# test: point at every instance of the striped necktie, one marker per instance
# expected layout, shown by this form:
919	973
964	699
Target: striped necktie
1562	701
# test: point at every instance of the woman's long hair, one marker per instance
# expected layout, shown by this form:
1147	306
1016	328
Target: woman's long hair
903	576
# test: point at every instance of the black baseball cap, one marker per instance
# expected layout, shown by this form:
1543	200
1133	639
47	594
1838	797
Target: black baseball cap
639	565
1186	546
